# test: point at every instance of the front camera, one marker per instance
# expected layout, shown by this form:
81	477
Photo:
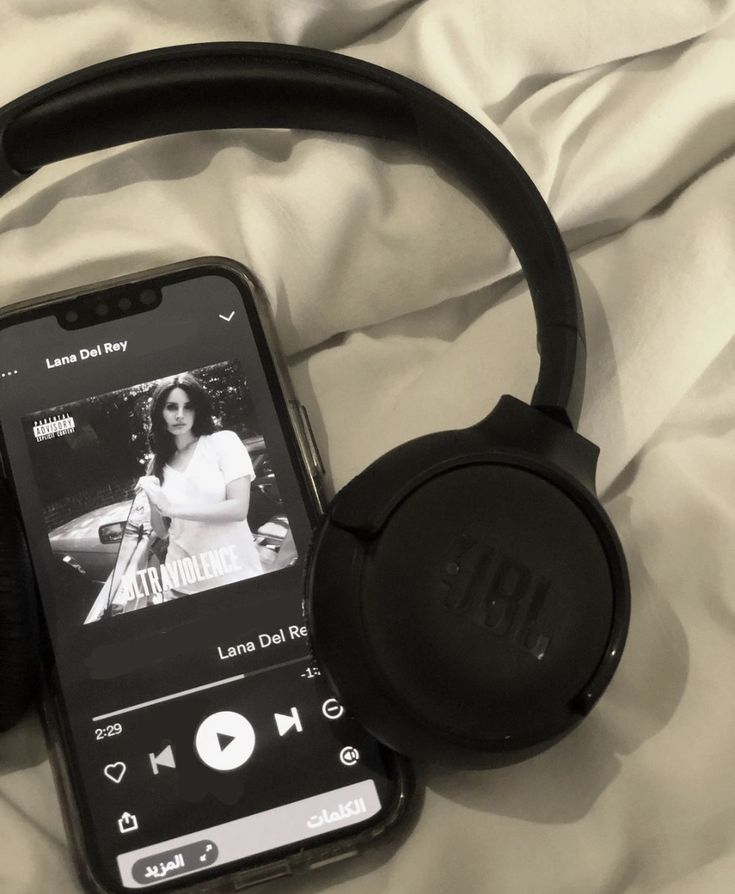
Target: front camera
105	306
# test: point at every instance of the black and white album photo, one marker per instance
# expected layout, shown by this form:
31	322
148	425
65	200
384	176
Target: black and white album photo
157	492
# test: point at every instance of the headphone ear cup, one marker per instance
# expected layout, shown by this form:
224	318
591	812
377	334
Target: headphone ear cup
18	620
469	612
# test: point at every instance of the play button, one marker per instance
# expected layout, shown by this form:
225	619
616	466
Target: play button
224	741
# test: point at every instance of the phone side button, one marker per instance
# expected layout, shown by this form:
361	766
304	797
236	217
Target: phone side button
314	455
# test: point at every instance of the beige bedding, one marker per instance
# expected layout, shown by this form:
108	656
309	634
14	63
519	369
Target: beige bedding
402	311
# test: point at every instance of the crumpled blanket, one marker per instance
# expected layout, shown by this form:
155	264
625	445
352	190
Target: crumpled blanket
402	311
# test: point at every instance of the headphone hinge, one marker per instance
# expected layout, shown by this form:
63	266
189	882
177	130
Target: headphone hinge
516	426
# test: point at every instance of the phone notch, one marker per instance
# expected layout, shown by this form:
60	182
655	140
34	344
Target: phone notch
113	304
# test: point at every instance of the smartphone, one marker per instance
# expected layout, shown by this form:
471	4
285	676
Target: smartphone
168	482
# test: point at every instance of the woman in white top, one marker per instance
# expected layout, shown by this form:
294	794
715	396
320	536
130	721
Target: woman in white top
199	489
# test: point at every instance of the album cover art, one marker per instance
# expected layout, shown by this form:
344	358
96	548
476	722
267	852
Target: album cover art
157	492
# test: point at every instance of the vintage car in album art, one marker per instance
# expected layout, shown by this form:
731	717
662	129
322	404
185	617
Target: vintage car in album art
275	543
103	546
90	542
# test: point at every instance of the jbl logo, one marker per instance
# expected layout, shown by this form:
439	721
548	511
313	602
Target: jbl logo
497	592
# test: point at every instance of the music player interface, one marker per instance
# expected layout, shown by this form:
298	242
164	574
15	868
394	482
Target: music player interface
168	528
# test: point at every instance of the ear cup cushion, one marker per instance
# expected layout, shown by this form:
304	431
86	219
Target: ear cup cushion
18	628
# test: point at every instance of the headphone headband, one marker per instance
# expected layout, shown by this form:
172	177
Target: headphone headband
256	85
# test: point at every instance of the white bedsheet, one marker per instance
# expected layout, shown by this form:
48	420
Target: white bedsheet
402	311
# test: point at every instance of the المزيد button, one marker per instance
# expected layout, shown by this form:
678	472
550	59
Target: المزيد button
186	858
224	741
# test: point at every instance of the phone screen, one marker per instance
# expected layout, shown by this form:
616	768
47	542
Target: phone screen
168	515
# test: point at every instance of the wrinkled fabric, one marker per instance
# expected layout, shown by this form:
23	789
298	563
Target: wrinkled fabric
402	311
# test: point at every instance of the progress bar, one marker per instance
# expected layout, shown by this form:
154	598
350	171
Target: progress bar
183	692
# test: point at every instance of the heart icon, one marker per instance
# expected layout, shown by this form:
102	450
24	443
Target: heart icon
115	772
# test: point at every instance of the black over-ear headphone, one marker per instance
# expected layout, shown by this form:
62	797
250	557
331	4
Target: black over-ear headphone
468	595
